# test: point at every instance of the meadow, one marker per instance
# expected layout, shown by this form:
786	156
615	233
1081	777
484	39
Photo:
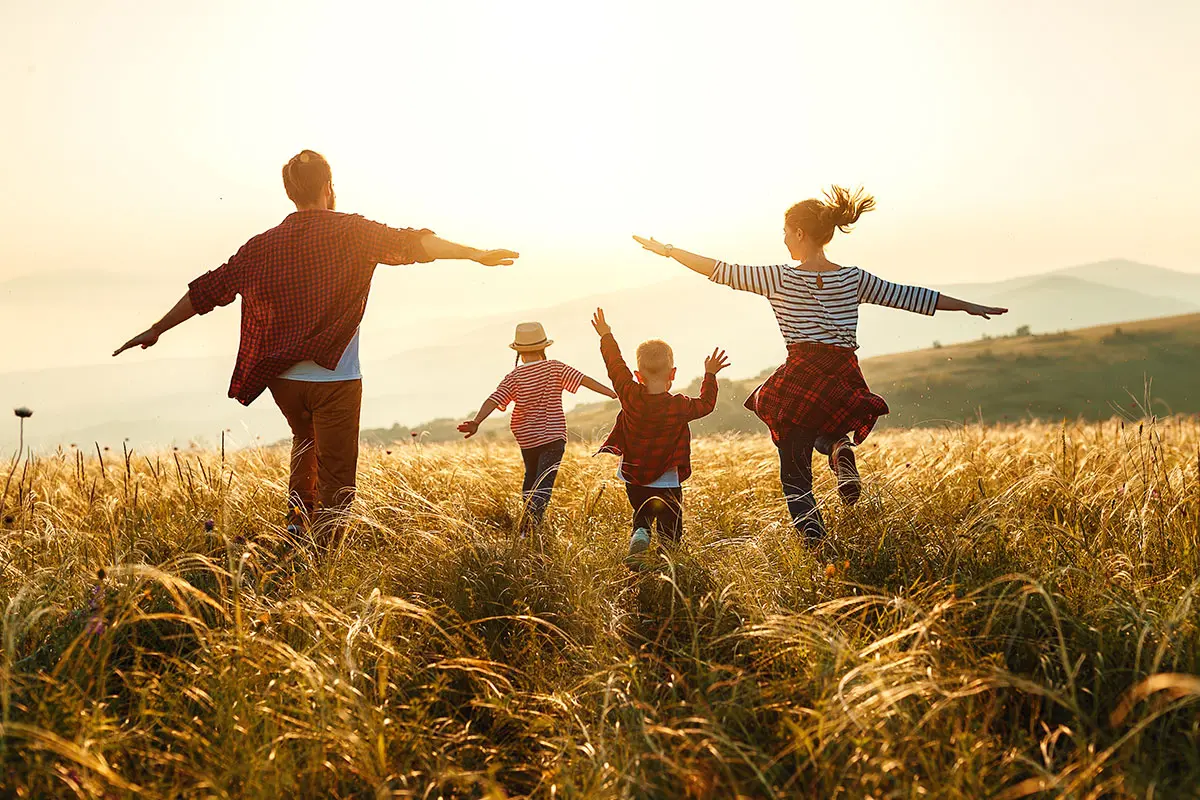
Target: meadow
1010	611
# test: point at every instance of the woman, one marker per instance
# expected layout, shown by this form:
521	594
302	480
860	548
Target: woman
818	397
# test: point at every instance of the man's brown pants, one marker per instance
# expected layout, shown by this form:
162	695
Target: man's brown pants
324	421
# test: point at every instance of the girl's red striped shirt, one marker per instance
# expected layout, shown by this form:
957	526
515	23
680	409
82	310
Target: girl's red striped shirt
536	390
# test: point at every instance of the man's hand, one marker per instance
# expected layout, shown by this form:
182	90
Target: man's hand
987	312
143	340
495	258
468	428
600	324
716	362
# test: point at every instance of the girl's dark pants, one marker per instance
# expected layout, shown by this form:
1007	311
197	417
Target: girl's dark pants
663	505
796	475
541	469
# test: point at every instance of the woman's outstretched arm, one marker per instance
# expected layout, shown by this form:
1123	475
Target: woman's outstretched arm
696	263
947	303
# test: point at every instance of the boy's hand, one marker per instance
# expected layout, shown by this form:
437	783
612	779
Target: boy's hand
600	324
469	428
716	362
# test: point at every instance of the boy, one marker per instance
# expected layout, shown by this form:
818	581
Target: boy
651	433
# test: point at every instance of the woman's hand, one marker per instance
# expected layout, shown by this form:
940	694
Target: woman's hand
987	312
654	246
469	428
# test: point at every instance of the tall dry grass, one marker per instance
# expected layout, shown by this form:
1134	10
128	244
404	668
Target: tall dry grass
1009	612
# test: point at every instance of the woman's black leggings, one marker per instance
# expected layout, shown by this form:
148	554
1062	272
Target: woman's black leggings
796	475
541	469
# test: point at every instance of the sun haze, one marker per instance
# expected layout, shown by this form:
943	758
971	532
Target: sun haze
144	141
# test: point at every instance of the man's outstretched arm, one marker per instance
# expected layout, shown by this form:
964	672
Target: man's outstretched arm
182	312
436	247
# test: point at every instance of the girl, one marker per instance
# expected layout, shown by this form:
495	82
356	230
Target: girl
538	422
818	397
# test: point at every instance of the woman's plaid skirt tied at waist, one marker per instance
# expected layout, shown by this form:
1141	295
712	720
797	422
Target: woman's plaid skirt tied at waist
820	388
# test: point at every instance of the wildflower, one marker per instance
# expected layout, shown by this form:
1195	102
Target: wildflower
830	571
209	525
23	412
96	626
389	452
413	434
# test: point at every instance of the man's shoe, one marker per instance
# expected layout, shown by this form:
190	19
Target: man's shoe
638	544
842	462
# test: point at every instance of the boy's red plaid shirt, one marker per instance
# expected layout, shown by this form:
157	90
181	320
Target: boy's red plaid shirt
820	388
304	287
651	433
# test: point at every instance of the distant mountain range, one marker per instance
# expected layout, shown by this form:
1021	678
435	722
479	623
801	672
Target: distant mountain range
456	362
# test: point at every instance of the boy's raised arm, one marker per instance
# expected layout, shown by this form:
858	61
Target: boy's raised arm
703	405
618	370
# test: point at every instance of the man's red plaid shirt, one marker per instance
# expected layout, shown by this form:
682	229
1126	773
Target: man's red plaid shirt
304	287
651	433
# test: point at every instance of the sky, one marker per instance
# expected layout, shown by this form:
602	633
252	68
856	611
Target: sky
144	140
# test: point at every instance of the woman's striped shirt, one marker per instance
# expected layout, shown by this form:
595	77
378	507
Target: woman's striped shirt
536	389
825	313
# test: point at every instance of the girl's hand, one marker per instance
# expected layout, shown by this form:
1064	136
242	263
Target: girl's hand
716	362
469	428
987	312
600	324
654	246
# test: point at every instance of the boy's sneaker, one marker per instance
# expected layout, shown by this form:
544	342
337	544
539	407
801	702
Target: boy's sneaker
638	544
842	462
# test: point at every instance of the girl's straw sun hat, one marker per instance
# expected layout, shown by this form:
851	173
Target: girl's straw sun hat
530	337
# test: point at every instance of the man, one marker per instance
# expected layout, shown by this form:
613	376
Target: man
304	287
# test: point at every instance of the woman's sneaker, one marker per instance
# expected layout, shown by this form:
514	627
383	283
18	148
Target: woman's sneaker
638	544
842	462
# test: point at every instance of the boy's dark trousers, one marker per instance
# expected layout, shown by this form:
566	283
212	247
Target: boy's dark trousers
541	470
796	475
663	505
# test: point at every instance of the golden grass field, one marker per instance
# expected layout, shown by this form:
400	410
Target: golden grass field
1009	612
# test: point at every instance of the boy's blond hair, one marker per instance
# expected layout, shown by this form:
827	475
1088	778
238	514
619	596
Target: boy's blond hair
655	358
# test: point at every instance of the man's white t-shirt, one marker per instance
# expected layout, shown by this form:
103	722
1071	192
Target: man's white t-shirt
347	369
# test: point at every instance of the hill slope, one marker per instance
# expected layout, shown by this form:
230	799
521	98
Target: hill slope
1092	373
